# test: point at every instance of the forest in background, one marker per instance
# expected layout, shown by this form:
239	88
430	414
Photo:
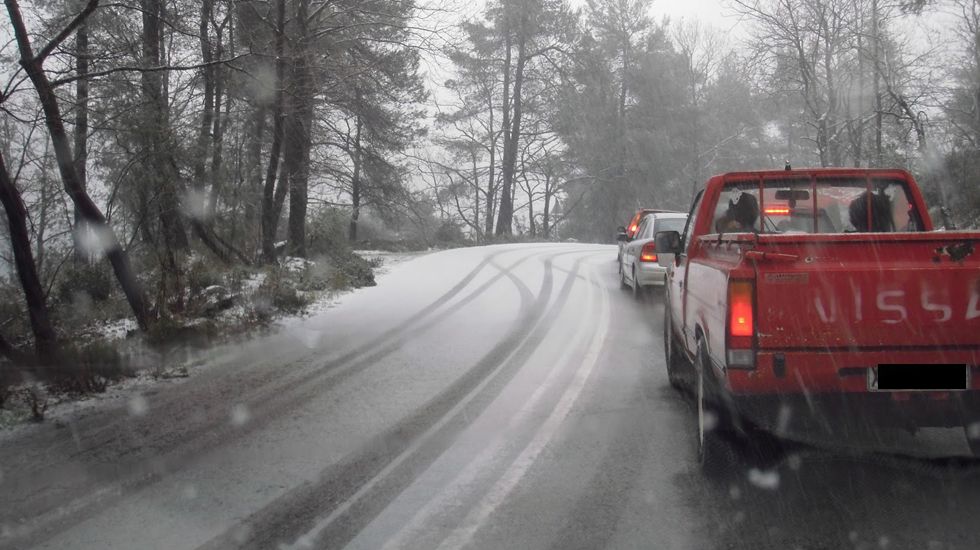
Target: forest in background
152	151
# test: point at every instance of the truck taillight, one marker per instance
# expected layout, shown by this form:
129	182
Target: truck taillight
741	325
649	252
740	308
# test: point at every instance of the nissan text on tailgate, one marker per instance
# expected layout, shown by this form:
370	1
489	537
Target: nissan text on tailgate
821	297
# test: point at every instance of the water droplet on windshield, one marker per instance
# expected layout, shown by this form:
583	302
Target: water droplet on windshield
95	240
239	415
195	204
973	430
764	479
241	533
734	492
794	461
710	421
138	405
884	542
190	491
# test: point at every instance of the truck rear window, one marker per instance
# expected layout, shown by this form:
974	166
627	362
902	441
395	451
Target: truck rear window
826	205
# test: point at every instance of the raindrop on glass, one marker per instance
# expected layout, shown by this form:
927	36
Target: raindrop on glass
240	415
241	534
138	405
710	421
794	461
764	479
973	430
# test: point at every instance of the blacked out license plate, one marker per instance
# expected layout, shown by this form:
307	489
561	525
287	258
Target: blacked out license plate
919	377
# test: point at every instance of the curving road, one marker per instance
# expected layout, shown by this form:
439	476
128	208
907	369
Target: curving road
491	397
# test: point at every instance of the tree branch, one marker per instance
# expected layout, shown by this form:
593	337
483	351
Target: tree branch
66	32
62	81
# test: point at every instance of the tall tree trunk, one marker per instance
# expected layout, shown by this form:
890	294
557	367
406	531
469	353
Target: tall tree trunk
505	215
161	167
218	131
253	173
476	194
81	126
298	136
270	214
858	140
623	93
45	341
491	175
355	187
876	83
42	218
546	213
505	122
89	212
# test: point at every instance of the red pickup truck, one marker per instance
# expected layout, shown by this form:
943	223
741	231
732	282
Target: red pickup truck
821	295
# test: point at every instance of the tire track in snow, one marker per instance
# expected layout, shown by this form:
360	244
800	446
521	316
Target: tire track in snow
272	396
348	495
448	501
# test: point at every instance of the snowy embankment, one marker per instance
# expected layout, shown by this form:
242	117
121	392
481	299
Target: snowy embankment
225	312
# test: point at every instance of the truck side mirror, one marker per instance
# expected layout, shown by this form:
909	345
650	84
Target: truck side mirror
668	245
621	234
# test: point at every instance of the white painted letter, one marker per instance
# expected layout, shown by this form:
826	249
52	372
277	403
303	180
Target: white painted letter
945	310
973	311
823	311
898	308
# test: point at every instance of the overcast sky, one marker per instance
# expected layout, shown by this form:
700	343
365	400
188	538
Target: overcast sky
711	12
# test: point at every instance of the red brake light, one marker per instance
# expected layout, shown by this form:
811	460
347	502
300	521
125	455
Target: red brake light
740	322
778	210
648	252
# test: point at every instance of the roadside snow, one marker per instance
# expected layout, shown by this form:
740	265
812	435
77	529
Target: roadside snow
114	330
62	409
294	264
383	260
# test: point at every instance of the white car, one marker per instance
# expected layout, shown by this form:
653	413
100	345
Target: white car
638	267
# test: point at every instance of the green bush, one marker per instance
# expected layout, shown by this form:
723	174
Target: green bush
202	274
93	280
277	293
84	369
450	233
236	277
168	330
327	233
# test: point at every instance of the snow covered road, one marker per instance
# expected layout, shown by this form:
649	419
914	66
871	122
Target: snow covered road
491	397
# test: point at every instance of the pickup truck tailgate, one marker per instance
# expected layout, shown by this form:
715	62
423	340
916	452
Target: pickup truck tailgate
897	290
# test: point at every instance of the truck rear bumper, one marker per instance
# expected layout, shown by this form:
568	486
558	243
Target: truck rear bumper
910	410
834	385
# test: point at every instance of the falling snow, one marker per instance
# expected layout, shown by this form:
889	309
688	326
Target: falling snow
239	415
138	405
764	479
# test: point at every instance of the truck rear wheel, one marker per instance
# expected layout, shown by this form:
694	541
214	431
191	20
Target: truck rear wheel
715	454
677	363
